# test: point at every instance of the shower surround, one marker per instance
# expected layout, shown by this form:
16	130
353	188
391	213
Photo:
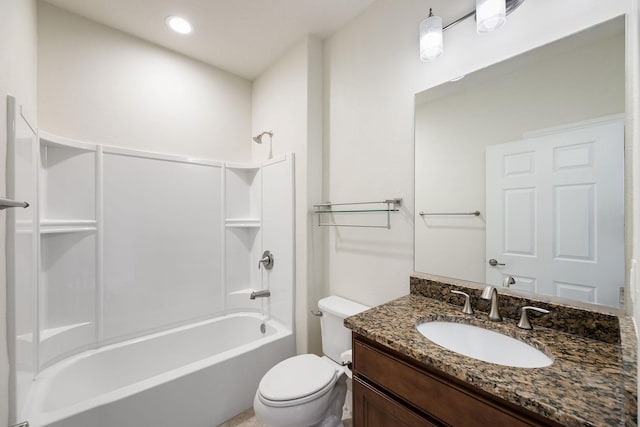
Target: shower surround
133	244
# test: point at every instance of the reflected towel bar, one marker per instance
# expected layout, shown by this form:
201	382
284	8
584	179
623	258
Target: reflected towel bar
474	213
8	203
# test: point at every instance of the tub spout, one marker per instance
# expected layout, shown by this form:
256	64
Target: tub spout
260	294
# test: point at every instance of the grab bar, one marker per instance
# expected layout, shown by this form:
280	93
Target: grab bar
8	203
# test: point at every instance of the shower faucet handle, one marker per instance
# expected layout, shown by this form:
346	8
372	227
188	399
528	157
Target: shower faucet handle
266	260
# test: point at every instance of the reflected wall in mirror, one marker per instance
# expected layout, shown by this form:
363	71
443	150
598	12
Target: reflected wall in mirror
536	145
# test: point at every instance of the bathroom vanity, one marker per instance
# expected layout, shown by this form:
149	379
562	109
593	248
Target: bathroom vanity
391	389
402	378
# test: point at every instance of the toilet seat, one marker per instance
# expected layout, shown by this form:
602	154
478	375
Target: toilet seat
297	380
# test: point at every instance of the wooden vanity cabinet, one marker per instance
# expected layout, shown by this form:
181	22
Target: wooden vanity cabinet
390	389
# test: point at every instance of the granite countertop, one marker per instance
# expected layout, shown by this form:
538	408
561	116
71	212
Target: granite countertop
590	383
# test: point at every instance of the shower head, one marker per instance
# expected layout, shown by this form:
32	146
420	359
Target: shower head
258	138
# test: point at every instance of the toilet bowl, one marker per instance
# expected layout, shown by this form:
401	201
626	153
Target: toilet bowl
308	390
304	390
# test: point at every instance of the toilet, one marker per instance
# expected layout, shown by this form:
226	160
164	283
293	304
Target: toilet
307	390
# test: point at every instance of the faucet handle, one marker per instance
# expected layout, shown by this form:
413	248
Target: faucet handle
524	319
508	281
467	303
266	260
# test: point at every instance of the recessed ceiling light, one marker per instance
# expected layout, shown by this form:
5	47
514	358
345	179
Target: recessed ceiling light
179	25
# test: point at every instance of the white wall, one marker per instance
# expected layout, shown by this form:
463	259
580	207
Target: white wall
633	104
452	132
372	72
287	99
17	78
98	84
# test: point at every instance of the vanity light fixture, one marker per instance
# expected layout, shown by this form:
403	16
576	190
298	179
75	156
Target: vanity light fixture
179	25
490	15
431	37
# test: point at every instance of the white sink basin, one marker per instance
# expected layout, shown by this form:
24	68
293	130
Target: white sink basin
483	344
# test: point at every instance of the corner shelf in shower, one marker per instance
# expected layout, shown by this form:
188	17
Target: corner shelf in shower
55	226
68	184
69	178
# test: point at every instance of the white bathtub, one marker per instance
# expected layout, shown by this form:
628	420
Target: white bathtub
193	376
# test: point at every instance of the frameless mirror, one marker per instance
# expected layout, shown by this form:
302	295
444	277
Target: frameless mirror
535	145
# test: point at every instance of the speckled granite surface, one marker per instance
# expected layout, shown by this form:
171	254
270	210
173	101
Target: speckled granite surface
572	320
590	383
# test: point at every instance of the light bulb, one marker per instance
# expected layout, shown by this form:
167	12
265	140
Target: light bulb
431	38
490	15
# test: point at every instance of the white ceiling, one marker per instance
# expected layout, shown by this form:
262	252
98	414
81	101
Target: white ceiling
240	36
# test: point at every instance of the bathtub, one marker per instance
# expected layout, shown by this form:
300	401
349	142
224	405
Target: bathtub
193	376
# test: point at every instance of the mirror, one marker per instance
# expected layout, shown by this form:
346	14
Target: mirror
536	145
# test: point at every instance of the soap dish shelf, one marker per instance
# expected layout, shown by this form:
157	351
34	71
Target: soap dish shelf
388	206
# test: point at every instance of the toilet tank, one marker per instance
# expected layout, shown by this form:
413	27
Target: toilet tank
335	337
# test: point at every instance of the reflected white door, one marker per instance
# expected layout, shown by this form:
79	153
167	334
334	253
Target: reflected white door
555	213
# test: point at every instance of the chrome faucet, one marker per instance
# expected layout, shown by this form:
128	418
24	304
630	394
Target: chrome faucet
492	293
260	294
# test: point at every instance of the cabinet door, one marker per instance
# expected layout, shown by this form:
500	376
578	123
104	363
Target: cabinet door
373	409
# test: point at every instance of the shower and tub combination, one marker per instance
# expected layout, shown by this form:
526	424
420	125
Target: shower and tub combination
130	277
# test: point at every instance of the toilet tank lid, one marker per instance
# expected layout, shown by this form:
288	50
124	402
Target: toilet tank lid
340	307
